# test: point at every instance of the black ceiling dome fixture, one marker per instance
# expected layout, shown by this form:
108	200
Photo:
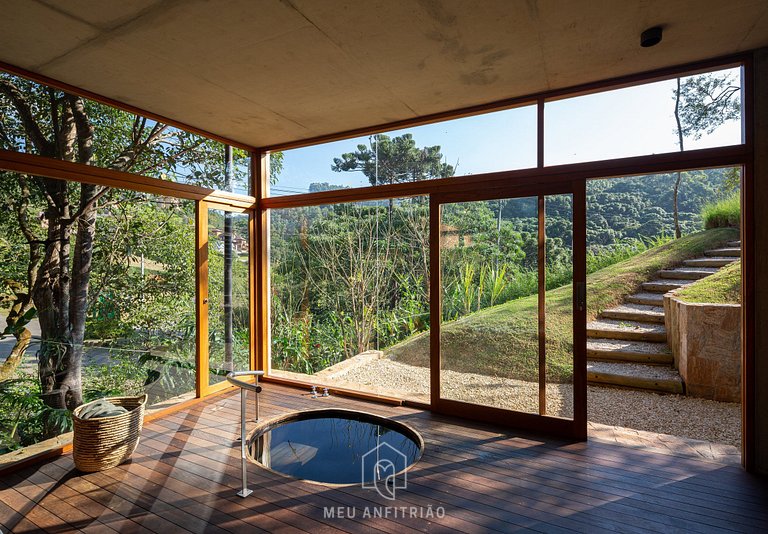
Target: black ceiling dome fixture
650	37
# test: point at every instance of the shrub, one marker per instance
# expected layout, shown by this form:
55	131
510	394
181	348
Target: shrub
723	213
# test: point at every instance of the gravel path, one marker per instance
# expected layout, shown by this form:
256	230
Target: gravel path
700	419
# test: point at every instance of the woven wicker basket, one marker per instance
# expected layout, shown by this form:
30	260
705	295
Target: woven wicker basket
104	442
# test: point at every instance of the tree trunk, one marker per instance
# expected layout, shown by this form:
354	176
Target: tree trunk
61	297
676	212
12	362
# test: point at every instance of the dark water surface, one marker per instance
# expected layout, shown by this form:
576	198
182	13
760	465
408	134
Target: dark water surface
337	449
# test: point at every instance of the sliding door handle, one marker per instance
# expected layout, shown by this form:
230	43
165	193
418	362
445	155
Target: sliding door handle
580	294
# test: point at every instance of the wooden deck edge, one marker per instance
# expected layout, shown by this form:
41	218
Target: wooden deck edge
362	395
35	453
62	444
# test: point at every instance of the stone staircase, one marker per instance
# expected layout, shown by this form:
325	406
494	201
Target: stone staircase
627	345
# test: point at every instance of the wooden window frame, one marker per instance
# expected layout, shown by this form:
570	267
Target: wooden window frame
259	203
740	155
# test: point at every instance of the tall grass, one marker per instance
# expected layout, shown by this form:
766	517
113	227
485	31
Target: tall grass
623	250
723	213
475	287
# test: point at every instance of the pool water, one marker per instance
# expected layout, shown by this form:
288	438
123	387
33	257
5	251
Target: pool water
348	448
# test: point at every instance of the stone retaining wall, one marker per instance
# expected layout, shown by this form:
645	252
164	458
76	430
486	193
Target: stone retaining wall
706	343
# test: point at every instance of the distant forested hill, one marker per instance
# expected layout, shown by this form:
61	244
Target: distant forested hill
628	208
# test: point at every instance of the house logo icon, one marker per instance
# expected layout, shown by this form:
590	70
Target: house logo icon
383	469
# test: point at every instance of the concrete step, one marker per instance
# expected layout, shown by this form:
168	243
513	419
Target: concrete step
635	312
635	376
617	350
735	244
709	262
627	330
649	299
687	273
731	252
665	285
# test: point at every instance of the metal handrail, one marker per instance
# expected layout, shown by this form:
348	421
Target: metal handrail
245	387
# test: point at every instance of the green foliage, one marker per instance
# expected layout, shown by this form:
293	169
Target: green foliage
23	415
121	375
707	101
723	287
723	213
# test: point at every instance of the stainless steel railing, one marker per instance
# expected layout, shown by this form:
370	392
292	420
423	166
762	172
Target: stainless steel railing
245	387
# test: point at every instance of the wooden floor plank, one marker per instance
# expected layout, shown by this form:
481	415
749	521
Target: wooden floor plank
186	471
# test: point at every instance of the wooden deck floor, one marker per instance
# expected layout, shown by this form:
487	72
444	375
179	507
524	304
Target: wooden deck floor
185	473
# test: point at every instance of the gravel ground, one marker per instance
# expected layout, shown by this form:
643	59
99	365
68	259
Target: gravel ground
717	422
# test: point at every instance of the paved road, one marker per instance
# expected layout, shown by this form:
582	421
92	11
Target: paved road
93	355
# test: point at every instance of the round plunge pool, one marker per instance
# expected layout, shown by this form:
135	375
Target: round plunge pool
335	446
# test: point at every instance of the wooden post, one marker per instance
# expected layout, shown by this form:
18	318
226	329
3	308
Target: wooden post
580	309
542	264
435	300
201	301
260	262
540	132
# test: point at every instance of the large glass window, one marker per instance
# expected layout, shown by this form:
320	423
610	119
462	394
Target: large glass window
228	298
643	119
38	119
349	295
496	141
96	300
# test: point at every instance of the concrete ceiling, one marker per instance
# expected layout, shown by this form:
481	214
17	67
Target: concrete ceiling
264	72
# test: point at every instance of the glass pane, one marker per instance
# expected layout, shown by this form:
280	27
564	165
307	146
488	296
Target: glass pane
138	329
228	303
497	141
118	140
349	296
559	305
641	120
489	341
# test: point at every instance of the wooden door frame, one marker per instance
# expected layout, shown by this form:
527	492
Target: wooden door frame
203	387
575	428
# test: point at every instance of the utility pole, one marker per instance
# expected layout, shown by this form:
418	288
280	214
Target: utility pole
229	337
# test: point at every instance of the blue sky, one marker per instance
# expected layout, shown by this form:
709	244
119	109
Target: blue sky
624	122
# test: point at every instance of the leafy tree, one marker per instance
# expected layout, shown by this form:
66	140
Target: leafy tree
61	241
393	160
702	104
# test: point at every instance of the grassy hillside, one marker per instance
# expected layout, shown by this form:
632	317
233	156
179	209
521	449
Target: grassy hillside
723	287
502	340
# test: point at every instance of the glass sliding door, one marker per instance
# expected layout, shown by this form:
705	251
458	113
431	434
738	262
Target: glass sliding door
510	343
228	297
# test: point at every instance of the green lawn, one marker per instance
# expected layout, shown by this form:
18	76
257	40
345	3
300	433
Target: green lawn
723	287
502	340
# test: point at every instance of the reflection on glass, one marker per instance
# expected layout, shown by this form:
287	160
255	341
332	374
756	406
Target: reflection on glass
228	303
349	295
